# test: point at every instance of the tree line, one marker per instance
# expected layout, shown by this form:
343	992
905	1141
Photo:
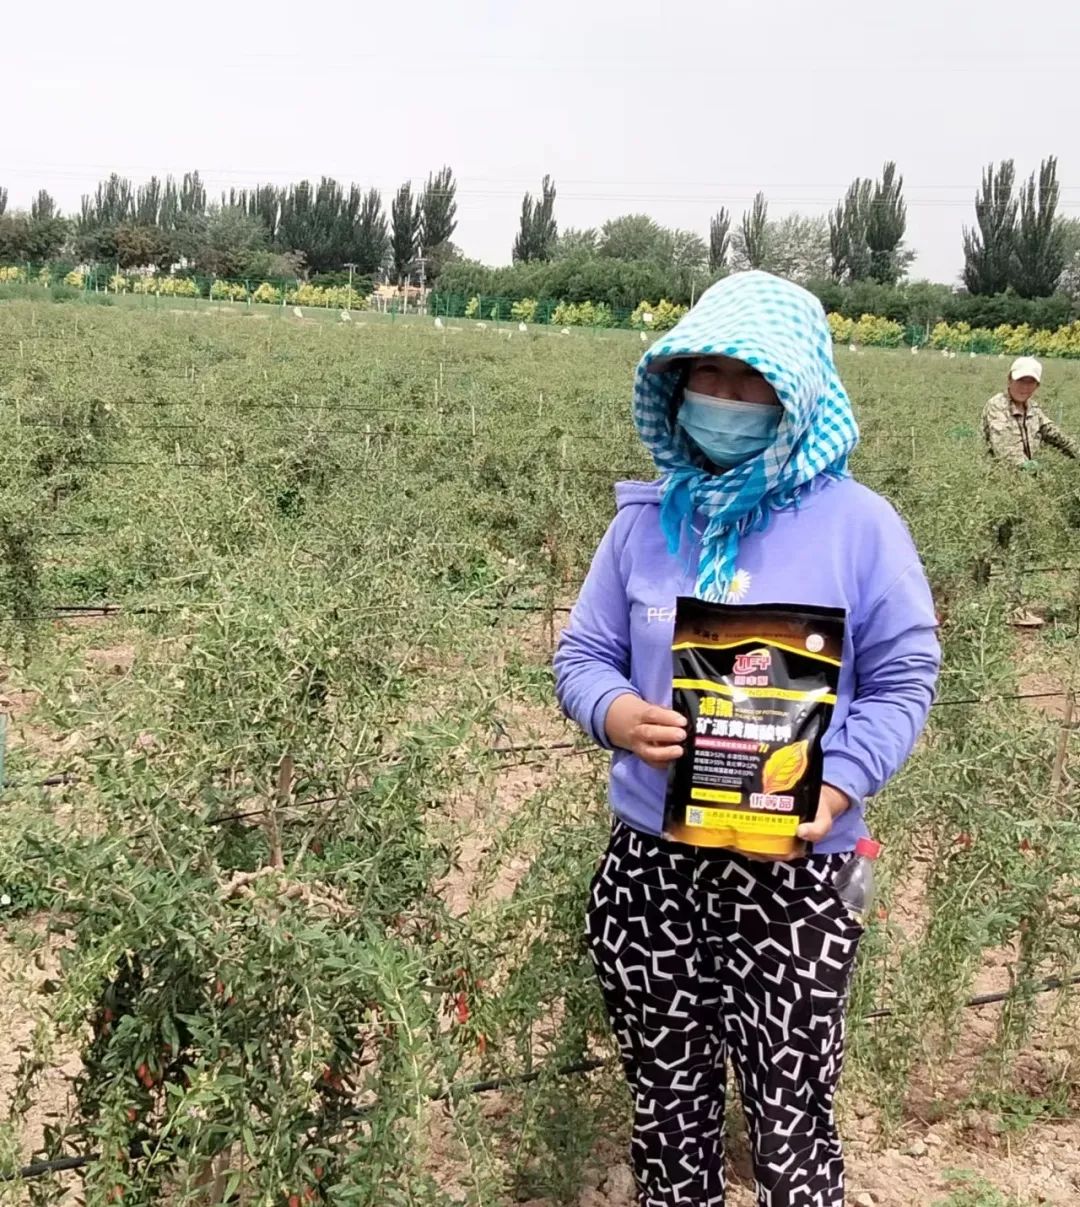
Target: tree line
1019	245
1020	250
267	231
862	239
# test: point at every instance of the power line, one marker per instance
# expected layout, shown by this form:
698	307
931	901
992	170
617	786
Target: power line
341	172
590	189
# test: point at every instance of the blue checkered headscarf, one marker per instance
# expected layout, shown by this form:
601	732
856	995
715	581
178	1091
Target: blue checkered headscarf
781	330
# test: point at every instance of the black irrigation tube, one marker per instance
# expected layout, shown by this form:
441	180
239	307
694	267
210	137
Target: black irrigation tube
391	433
375	433
54	611
994	699
165	463
58	611
379	433
38	1169
97	611
58	779
228	818
456	408
107	609
540	746
68	611
353	407
990	999
293	432
98	528
1003	572
567	749
225	818
61	779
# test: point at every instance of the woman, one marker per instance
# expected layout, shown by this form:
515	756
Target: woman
705	954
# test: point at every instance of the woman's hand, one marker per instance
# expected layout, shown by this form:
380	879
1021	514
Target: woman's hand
831	803
656	735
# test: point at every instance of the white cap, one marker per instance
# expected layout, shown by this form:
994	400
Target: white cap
1026	366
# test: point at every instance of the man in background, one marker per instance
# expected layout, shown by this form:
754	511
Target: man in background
1015	427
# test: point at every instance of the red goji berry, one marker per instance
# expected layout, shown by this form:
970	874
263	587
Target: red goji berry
461	1008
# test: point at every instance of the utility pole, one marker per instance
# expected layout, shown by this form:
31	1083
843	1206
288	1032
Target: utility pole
421	264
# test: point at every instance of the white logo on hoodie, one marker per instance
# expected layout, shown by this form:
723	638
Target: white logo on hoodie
738	588
659	615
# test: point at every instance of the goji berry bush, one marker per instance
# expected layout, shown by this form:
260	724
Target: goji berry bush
304	894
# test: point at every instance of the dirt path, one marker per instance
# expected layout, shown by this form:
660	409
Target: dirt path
26	966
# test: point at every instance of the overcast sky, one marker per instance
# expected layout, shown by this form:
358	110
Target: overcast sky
627	109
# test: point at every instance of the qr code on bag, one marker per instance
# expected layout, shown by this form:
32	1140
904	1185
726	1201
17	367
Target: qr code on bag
695	817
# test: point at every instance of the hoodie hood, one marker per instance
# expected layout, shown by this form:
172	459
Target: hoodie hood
628	493
780	330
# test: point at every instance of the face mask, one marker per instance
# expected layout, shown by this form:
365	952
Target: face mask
728	432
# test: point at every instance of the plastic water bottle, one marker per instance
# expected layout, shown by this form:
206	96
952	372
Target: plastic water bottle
854	882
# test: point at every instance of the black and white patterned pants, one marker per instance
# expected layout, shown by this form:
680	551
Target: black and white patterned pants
704	956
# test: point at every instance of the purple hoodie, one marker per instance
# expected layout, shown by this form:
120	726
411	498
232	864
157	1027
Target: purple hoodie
842	546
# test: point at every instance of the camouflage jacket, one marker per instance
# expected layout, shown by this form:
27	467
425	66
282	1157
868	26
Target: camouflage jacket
1014	435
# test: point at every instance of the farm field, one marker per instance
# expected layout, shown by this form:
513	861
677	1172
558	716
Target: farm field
296	845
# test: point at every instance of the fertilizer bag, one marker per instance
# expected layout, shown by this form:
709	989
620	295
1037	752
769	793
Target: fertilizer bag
757	684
